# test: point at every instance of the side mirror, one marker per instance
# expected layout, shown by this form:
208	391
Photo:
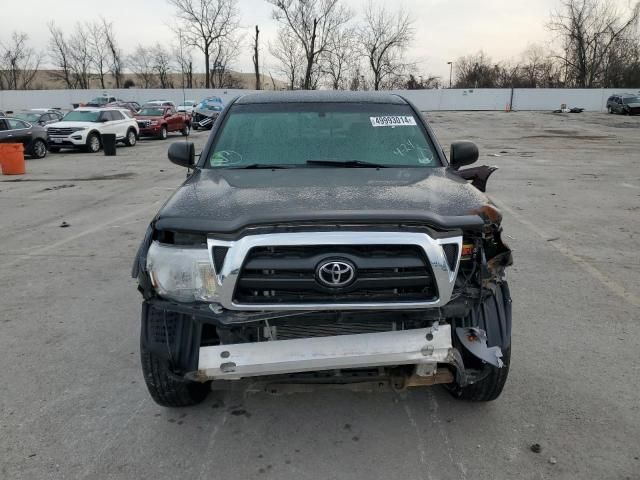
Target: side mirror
463	153
183	154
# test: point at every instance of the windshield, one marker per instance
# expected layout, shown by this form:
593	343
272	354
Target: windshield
629	100
291	135
29	117
81	116
151	112
99	100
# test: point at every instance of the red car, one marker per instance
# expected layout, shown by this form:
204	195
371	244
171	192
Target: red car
156	121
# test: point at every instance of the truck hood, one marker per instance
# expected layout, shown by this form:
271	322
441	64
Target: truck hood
72	124
225	201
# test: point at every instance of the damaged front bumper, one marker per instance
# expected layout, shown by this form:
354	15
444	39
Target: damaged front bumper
424	347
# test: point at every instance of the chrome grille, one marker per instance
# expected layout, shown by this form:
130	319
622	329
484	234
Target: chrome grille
60	132
384	273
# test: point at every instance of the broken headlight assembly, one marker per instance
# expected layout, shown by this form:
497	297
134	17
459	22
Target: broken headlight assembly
183	274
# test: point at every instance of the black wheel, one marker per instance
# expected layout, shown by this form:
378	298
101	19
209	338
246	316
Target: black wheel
610	110
166	388
131	138
93	143
186	130
54	149
494	311
163	133
487	389
38	148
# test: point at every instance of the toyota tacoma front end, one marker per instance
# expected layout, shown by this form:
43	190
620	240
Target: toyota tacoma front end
325	238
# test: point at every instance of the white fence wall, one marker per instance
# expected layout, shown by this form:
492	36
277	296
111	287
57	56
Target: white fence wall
22	99
426	100
455	99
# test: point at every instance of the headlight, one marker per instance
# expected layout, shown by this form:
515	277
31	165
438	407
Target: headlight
181	274
78	129
154	122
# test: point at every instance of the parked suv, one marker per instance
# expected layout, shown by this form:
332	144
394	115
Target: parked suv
325	238
83	128
624	104
160	121
102	101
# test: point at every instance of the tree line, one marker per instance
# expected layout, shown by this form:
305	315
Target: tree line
597	46
325	44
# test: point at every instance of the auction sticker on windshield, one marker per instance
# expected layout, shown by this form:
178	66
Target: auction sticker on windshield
393	121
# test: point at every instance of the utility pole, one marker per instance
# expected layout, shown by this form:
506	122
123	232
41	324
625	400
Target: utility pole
450	72
256	59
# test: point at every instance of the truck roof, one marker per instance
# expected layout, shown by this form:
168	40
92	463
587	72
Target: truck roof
320	97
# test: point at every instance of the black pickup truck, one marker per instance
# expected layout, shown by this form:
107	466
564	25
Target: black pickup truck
325	238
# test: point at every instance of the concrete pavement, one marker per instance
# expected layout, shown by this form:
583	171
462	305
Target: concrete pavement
74	404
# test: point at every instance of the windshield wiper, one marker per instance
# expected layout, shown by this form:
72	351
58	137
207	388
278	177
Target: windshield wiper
259	166
345	164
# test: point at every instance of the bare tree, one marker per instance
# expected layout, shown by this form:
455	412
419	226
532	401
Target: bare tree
590	31
623	64
313	23
421	82
223	52
340	58
141	64
19	63
161	65
385	37
60	56
184	60
116	62
475	71
99	51
287	51
80	54
256	57
539	69
205	22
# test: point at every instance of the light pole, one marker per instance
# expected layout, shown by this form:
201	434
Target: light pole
450	72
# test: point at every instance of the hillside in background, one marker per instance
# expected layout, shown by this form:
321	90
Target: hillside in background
52	80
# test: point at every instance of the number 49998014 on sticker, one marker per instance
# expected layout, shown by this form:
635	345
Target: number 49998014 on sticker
393	121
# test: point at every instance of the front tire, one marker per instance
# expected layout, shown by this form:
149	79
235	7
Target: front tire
186	130
164	133
93	143
166	388
495	310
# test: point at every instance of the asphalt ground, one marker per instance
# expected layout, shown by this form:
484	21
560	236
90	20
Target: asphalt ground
73	404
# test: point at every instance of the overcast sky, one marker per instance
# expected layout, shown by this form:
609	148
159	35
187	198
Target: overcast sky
445	29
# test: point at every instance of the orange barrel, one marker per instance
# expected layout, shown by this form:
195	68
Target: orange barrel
12	159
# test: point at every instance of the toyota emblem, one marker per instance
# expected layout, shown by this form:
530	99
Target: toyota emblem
336	273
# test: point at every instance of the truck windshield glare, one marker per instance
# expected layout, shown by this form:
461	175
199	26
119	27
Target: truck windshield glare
387	135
